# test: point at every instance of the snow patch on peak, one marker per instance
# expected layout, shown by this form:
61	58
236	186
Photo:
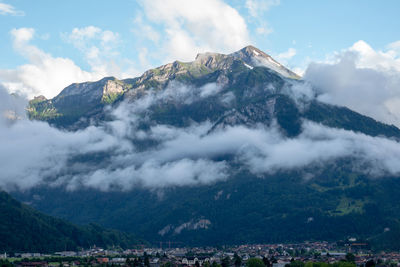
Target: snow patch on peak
248	66
254	57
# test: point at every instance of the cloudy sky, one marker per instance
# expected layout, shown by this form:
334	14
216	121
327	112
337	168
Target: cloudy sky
353	45
347	51
69	41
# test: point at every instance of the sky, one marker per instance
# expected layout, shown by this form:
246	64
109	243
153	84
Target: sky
47	45
126	37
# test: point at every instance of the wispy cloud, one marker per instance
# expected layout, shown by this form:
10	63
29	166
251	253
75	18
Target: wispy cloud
258	7
257	10
7	9
186	28
101	51
286	56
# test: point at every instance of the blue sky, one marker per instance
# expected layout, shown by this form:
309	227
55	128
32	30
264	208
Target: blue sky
144	34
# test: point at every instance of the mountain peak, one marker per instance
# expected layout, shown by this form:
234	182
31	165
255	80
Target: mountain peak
253	56
251	51
250	55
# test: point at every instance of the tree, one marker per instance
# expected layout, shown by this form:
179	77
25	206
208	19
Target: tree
5	263
254	262
167	264
146	260
344	264
350	257
237	260
267	262
128	262
370	263
296	264
225	262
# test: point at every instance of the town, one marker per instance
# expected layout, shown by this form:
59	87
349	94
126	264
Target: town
308	254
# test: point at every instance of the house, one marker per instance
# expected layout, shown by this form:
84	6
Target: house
117	260
155	262
102	260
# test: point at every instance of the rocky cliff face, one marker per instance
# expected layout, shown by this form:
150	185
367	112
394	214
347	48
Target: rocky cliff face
77	102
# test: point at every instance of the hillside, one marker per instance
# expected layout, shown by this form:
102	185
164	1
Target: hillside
24	229
267	161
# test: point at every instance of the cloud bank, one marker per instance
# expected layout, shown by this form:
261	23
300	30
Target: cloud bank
121	155
362	79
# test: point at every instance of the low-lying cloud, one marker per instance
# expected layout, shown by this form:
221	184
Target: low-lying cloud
110	156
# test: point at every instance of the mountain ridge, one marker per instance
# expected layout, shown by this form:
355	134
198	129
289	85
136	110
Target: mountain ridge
93	97
87	100
330	198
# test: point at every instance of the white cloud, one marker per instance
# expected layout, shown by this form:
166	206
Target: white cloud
318	144
291	52
100	48
144	30
44	74
22	35
33	153
7	9
286	56
367	57
190	27
80	37
263	30
362	79
258	7
257	10
47	75
79	34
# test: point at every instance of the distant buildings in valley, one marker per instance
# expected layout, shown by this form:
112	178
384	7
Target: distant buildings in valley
278	254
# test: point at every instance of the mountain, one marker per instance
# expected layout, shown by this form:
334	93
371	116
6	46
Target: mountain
24	229
333	198
253	76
